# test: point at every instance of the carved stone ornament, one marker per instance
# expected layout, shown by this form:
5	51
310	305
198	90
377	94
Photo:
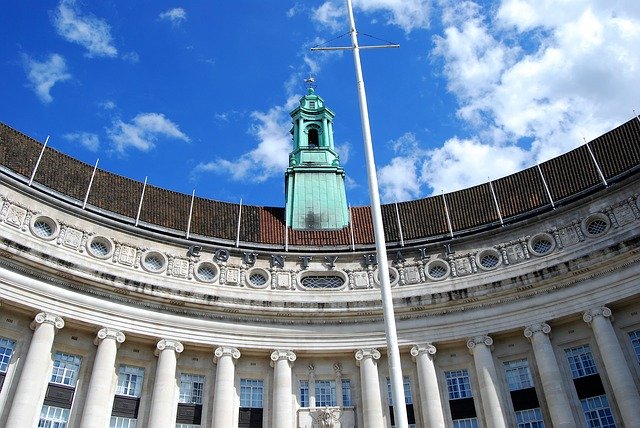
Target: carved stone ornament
282	354
362	354
535	328
225	351
47	318
326	417
423	348
109	333
168	344
478	340
590	314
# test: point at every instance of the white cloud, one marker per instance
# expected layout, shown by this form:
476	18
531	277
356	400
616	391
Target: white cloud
92	33
108	105
539	72
399	180
44	75
344	151
406	14
143	131
271	156
88	140
176	16
131	57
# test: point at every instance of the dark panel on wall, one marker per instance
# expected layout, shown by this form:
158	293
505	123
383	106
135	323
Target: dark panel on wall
250	418
462	409
589	386
2	376
59	396
570	173
524	399
411	417
618	150
126	407
189	414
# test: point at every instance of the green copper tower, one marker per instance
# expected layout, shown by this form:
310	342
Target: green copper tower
314	181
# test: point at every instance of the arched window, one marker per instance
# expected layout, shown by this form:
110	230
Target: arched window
313	138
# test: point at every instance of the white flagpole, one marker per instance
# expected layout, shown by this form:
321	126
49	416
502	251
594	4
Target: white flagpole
393	353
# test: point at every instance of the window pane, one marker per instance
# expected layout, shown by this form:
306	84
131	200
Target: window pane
325	393
346	392
465	423
458	384
6	350
518	374
597	412
191	387
635	341
251	393
118	422
531	418
65	369
304	393
406	385
581	361
130	381
53	417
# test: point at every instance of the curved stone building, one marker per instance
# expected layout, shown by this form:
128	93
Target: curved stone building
517	301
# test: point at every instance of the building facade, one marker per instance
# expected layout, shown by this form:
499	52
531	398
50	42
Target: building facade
124	305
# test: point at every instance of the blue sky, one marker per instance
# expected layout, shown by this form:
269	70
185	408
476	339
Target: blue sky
196	95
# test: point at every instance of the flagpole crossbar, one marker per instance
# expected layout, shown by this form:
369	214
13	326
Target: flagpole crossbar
348	48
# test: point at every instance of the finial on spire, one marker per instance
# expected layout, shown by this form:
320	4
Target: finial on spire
311	83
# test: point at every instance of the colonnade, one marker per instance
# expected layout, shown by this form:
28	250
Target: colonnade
99	398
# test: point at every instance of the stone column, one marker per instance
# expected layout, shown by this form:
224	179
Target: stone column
224	410
337	369
430	401
29	396
370	387
312	386
480	347
616	366
281	361
99	401
552	381
163	401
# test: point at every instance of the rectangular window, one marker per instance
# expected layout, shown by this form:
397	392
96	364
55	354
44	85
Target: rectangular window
635	341
119	422
130	381
65	369
465	423
407	391
530	418
304	393
191	387
346	392
187	426
518	374
326	393
581	361
251	391
6	350
458	384
597	412
53	417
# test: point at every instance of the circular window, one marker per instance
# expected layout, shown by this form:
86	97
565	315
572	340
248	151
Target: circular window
44	227
100	247
541	244
595	225
438	269
316	282
488	259
393	276
258	278
154	261
206	271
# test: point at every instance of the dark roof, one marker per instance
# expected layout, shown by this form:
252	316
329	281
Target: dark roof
517	196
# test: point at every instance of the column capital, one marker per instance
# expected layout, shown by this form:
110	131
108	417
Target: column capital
541	327
225	351
423	348
109	333
363	354
590	314
168	344
283	354
47	318
479	340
